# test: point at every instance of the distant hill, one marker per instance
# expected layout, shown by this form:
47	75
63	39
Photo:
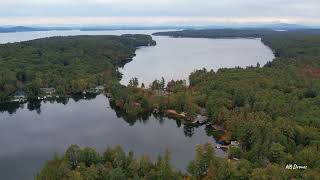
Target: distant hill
285	26
20	29
278	26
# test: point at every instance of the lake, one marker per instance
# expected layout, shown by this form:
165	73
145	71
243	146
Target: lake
30	134
172	58
176	58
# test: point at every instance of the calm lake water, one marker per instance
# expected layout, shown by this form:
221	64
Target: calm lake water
30	134
176	58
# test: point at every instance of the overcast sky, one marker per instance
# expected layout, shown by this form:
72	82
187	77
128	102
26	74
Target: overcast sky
158	12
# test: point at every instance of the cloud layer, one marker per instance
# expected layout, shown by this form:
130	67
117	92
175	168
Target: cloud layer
162	11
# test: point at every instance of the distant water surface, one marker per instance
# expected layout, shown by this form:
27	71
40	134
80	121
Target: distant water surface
176	58
25	36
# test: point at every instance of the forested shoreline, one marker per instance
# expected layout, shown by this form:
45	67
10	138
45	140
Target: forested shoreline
271	110
70	65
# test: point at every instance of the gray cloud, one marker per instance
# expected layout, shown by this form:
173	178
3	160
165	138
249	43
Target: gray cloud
306	11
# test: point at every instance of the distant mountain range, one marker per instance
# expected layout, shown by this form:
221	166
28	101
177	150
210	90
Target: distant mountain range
18	29
8	29
285	26
279	26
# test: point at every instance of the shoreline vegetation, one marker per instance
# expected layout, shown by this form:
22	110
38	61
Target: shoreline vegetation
269	114
64	66
116	164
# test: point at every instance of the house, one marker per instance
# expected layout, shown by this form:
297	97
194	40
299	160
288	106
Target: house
160	92
109	95
235	143
200	120
99	89
48	91
19	96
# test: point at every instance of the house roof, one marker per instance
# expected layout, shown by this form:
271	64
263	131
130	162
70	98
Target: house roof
20	93
99	87
48	90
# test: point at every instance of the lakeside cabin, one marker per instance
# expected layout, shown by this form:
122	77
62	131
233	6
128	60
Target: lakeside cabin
235	143
200	120
99	89
96	90
160	92
19	96
48	92
232	144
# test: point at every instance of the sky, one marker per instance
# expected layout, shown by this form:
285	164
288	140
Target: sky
158	12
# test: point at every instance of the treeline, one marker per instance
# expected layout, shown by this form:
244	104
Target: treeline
238	33
116	164
68	64
137	99
273	111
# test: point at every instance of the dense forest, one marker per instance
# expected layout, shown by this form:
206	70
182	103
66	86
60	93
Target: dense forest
116	164
68	64
272	111
238	33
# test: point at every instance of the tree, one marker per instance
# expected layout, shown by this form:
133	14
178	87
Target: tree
54	169
198	168
116	156
155	85
242	170
164	169
270	172
308	156
73	156
33	88
134	82
143	166
89	156
117	174
60	90
310	92
235	152
162	83
89	173
276	153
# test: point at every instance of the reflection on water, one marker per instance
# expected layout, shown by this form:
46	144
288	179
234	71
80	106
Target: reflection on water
35	105
31	133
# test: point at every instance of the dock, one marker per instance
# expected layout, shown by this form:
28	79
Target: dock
220	146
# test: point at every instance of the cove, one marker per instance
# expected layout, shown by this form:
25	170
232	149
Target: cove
31	133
